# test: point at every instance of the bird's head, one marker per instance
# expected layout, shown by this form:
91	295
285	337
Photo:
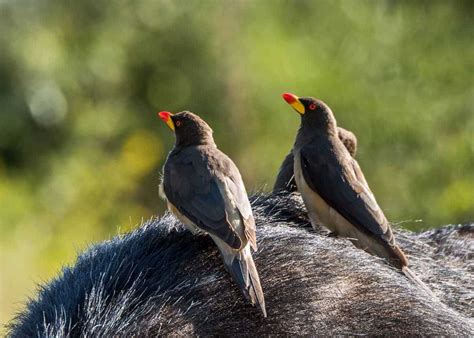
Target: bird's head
314	113
189	128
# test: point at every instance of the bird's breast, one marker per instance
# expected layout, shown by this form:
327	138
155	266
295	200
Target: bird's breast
161	191
319	211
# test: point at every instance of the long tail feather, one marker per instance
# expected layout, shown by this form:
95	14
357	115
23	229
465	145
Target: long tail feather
243	271
414	278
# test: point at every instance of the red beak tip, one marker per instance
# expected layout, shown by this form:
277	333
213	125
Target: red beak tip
288	97
164	115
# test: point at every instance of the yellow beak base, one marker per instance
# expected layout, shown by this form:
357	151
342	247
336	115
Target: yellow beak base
298	106
170	123
294	101
166	117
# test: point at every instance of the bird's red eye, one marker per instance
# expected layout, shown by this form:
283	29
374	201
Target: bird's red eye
178	123
312	106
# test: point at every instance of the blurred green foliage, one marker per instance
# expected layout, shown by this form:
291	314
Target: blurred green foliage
80	82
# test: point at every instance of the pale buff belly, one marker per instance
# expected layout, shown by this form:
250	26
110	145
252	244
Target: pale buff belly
320	213
186	221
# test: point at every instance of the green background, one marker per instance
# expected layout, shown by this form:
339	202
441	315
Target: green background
81	146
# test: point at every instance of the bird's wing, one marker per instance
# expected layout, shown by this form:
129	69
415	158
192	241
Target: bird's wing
340	182
286	179
192	188
239	197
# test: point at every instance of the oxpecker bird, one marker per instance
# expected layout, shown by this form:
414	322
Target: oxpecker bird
204	190
334	188
285	180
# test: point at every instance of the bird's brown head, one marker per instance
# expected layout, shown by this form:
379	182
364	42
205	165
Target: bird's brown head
314	113
189	128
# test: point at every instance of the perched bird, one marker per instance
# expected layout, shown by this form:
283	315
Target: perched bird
334	188
285	180
205	191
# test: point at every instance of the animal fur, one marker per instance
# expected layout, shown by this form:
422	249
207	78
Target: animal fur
160	280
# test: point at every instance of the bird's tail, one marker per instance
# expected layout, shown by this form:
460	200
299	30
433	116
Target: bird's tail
243	271
414	278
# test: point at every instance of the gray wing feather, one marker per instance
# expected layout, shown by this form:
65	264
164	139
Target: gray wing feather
286	179
339	183
194	191
241	200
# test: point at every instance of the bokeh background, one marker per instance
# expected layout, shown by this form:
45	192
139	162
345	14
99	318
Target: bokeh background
81	146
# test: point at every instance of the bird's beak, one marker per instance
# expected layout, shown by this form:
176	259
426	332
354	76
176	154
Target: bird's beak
294	101
166	116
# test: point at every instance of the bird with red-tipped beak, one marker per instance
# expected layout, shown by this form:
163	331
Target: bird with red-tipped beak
205	191
334	189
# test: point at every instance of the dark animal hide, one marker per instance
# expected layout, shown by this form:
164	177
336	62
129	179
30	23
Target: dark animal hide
161	280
